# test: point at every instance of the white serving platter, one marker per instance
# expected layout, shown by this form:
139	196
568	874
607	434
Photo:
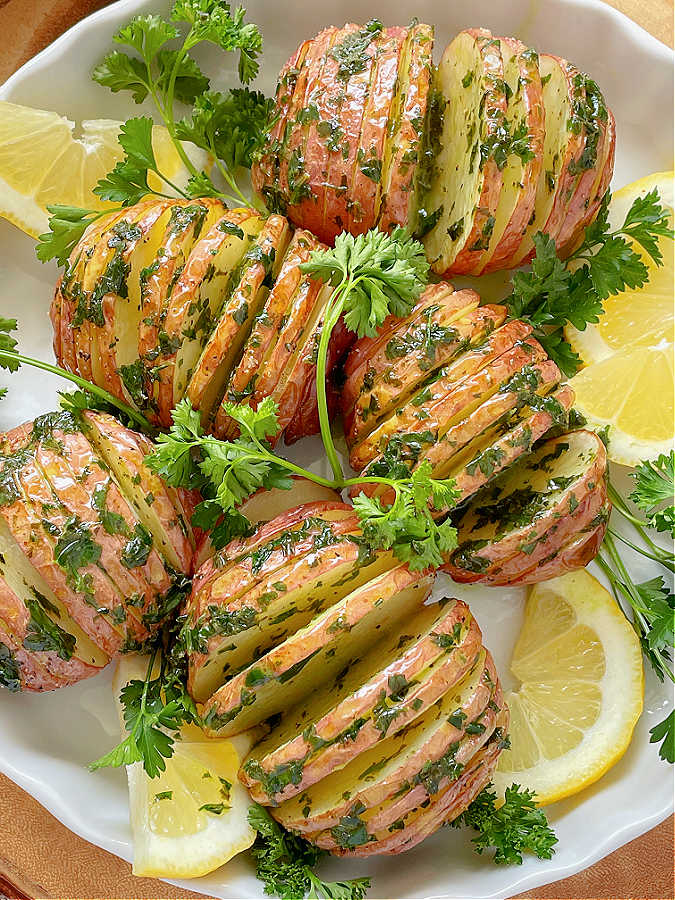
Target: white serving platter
47	740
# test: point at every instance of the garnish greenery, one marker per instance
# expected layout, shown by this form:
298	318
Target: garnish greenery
285	863
552	293
513	828
8	345
652	602
374	275
156	63
89	396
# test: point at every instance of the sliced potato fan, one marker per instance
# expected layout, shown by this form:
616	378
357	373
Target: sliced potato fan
430	649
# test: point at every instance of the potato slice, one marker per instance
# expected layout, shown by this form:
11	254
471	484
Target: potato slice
85	490
390	766
501	447
457	213
288	672
196	300
29	670
428	817
522	159
294	192
290	287
577	552
65	552
478	349
366	184
559	544
514	515
361	829
259	269
422	344
26	590
429	651
230	626
265	170
403	147
589	116
268	503
155	504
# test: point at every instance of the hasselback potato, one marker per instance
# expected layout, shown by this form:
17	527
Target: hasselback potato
172	299
476	156
93	548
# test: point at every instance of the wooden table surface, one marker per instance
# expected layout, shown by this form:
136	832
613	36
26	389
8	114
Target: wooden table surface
39	858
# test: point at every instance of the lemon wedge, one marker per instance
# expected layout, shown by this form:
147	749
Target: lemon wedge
193	817
627	382
579	667
42	162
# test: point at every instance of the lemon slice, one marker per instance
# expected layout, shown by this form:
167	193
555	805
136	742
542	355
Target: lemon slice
42	162
193	817
579	667
627	382
634	318
632	393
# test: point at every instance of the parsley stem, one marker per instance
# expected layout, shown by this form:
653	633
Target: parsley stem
620	506
238	196
167	112
94	389
332	313
663	559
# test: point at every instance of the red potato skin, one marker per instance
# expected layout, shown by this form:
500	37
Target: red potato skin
393	377
505	556
457	437
560	547
366	349
252	366
600	189
488	200
374	127
577	553
342	210
25	525
371	795
454	667
297	188
75	475
398	809
530	82
516	442
55	316
395	208
271	238
567	180
240	547
309	213
460	397
39	670
182	296
447	807
305	417
134	449
265	170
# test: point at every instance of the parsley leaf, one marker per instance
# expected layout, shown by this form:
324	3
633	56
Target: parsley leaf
9	344
553	293
67	224
285	864
128	182
654	487
407	525
665	732
512	829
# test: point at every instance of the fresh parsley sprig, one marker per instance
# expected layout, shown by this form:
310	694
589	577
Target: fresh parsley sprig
90	396
372	275
8	344
651	603
553	293
285	864
515	827
157	64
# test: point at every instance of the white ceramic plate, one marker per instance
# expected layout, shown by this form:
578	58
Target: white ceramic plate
46	741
